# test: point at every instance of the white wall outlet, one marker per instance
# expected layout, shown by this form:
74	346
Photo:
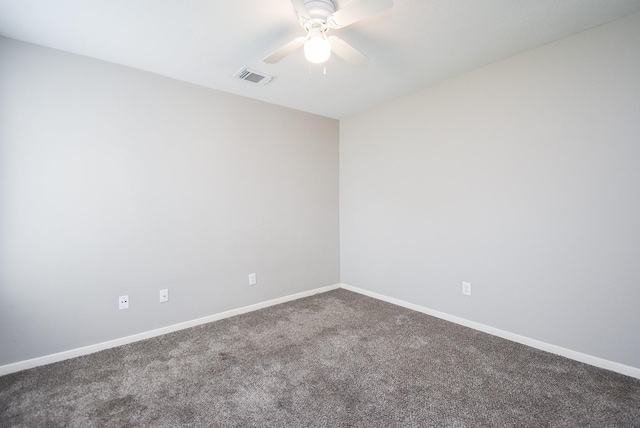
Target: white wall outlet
466	288
252	279
164	295
123	302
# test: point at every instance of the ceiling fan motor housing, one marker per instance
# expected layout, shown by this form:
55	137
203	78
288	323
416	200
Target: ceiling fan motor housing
320	9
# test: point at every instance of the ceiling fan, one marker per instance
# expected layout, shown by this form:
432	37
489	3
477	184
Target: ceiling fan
317	17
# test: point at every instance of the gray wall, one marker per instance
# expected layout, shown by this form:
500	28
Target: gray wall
115	181
523	178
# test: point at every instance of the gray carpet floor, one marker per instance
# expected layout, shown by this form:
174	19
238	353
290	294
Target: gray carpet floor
337	359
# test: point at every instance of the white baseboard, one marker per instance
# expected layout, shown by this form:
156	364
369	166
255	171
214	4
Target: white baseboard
558	350
72	353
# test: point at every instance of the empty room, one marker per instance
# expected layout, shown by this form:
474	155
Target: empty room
420	213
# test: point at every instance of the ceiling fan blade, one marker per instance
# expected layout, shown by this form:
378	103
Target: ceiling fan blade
293	45
345	51
356	11
300	8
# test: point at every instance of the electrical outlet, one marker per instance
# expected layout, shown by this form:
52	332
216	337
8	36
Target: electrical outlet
466	288
252	279
164	295
123	302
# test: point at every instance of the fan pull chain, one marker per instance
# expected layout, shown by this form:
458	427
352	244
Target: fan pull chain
324	69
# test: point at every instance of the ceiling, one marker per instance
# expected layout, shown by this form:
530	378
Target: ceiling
416	44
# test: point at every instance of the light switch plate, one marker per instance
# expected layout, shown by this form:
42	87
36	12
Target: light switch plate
123	302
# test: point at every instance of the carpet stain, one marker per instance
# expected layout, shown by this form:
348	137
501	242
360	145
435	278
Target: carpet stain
120	409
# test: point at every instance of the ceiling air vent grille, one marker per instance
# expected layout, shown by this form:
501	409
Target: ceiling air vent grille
252	76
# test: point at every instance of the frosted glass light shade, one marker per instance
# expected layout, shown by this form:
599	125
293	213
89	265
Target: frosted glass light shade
317	49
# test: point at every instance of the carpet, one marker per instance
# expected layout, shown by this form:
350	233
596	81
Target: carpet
336	359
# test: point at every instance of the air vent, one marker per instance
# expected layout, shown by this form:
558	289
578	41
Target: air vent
252	76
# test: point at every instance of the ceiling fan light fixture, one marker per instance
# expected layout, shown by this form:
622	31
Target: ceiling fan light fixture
317	17
317	49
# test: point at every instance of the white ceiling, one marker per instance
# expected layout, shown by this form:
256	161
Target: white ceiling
414	45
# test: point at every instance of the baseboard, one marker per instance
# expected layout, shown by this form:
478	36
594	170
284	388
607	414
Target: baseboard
558	350
65	355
